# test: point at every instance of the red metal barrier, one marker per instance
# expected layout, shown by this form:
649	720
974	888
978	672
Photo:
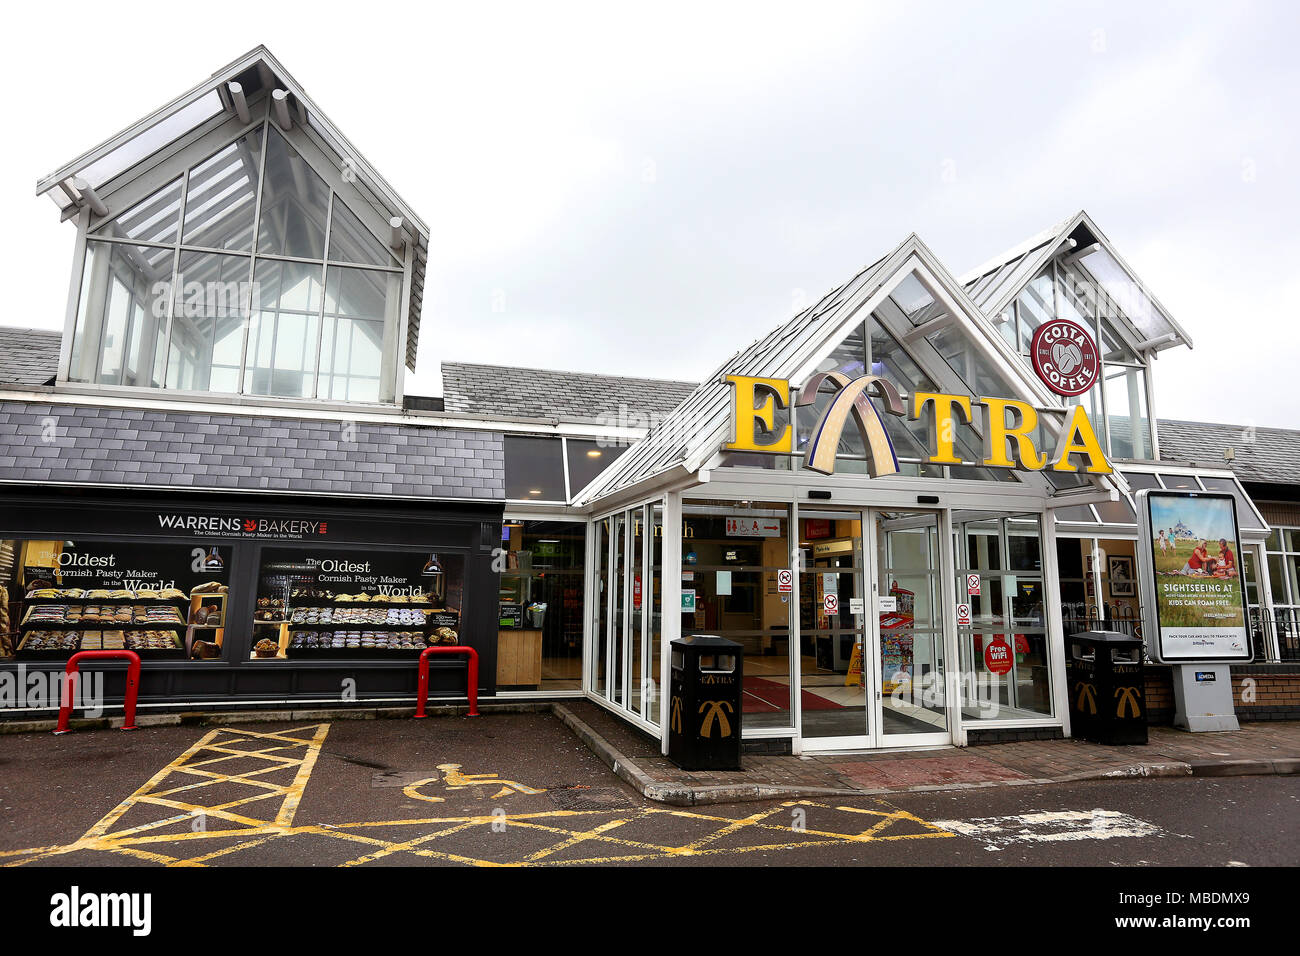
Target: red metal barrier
132	684
472	690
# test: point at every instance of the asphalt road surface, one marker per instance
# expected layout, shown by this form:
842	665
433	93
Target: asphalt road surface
521	790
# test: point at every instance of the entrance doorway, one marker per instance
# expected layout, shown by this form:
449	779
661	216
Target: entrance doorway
871	637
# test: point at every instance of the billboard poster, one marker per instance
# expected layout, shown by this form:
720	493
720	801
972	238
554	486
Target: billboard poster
1190	556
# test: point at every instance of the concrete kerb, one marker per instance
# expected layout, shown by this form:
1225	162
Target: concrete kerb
218	718
660	791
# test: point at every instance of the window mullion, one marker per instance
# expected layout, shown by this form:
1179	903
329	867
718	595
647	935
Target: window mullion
320	329
252	264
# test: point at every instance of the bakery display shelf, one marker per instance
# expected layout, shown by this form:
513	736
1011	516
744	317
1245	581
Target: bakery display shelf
422	605
43	655
352	653
85	625
146	653
353	626
117	601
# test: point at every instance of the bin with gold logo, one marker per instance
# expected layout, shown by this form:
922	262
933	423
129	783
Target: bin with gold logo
704	702
1105	679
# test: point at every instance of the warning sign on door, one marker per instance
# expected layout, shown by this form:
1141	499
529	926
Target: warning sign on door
973	585
831	604
784	581
963	615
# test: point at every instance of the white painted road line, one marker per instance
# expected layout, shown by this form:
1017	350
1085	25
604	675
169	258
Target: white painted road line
1050	826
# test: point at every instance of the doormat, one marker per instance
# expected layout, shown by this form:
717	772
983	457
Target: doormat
763	696
589	798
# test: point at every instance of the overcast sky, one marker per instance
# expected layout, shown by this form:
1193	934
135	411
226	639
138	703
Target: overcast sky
641	189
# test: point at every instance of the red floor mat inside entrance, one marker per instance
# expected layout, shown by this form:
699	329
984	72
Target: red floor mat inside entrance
763	696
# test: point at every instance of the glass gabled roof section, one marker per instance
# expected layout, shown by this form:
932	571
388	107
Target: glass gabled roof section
154	219
218	214
221	199
1081	248
910	336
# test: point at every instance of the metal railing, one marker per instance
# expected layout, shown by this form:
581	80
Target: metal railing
1282	624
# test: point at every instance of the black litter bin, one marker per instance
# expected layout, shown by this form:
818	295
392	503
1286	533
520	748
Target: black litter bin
1105	683
704	703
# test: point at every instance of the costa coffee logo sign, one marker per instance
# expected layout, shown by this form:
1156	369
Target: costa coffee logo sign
243	527
1065	357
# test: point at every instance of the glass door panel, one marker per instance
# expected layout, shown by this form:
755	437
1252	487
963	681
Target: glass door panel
835	676
910	635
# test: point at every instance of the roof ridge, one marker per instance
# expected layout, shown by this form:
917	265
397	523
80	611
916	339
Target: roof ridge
559	371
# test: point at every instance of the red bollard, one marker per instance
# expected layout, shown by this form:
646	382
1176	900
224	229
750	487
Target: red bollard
472	691
132	685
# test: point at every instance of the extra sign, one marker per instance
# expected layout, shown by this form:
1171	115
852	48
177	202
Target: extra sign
784	582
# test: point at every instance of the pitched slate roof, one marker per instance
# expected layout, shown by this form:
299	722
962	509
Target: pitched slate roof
234	452
28	356
547	394
1260	454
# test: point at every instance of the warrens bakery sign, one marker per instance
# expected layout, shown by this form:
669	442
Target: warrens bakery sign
1006	425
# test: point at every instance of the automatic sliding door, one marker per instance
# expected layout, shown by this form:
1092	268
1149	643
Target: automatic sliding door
910	634
835	674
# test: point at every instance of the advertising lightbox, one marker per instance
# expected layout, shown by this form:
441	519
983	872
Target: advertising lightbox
1190	565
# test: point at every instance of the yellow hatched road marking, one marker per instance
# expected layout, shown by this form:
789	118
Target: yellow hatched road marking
572	828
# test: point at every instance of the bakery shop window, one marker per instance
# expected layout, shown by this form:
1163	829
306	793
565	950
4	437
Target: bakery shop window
338	603
163	601
539	630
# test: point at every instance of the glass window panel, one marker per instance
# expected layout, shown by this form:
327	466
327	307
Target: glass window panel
1006	325
122	315
283	337
294	203
1036	305
1138	480
1245	513
333	615
1116	512
208	322
149	141
350	241
1277	580
160	580
587	459
1126	408
155	219
1118	295
975	371
540	629
360	318
733	577
1076	513
534	468
1179	482
222	195
914	300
